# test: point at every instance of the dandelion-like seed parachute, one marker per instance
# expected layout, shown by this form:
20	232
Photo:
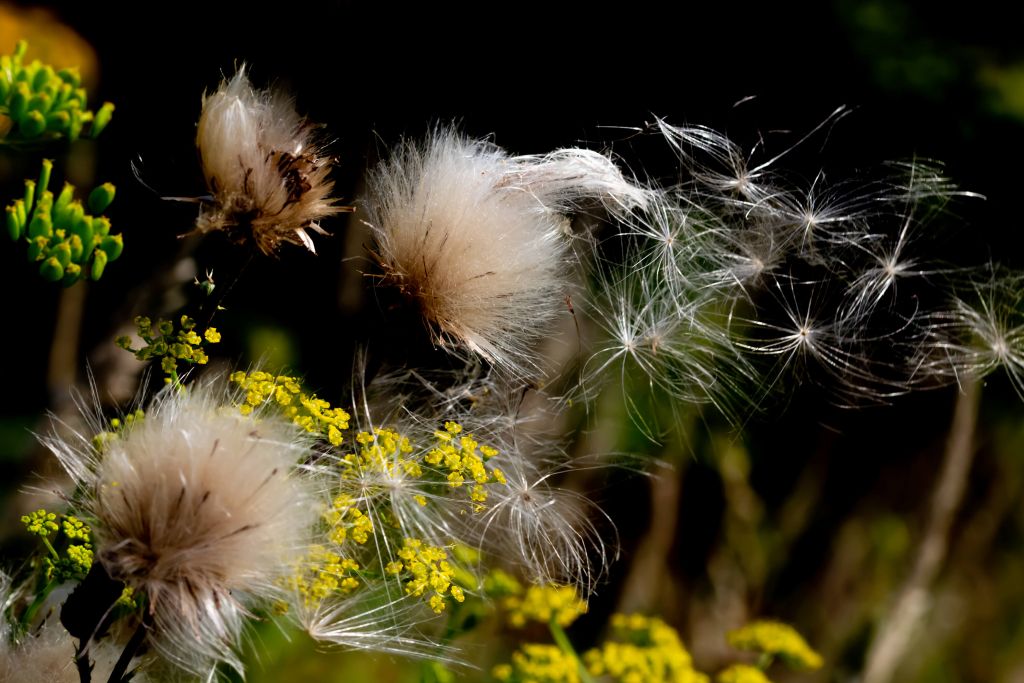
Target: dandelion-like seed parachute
199	510
264	167
478	239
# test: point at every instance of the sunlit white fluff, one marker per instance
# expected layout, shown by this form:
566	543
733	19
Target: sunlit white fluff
265	169
47	654
479	240
200	510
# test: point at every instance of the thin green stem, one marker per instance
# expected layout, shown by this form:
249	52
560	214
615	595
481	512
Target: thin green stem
563	642
30	613
49	547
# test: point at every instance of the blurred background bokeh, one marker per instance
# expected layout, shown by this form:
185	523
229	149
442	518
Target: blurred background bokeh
808	513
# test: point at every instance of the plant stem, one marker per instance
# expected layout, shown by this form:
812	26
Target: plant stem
82	663
563	642
897	630
30	612
117	675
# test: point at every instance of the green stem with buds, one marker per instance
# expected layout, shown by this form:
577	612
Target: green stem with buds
563	642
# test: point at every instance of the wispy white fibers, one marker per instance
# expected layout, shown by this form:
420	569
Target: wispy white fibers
264	166
744	280
479	240
47	655
201	511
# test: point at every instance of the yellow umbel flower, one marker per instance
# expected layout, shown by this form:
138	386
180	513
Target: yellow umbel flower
309	412
426	571
642	650
776	639
322	573
742	673
164	342
546	604
41	523
347	521
539	663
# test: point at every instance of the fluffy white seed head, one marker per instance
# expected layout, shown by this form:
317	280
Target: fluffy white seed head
265	170
477	238
201	510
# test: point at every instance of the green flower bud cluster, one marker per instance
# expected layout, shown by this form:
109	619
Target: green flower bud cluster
67	242
39	103
170	344
118	426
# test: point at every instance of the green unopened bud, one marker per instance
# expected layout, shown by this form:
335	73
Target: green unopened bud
72	214
33	124
70	77
40	102
19	205
51	269
19	102
43	76
61	204
100	198
20	48
77	248
72	274
30	195
80	96
44	175
41	225
62	252
103	116
101	226
99	262
62	95
83	228
36	249
14	226
113	245
58	121
75	125
5	85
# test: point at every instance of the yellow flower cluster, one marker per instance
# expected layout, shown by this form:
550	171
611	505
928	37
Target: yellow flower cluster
321	573
170	345
453	457
306	410
776	639
385	451
742	673
346	521
546	604
41	523
642	650
457	455
539	663
77	558
427	567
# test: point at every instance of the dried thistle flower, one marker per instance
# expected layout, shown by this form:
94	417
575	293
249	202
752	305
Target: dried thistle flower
265	168
478	239
200	510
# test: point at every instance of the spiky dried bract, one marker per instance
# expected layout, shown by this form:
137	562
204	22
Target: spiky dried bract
200	510
264	166
478	240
